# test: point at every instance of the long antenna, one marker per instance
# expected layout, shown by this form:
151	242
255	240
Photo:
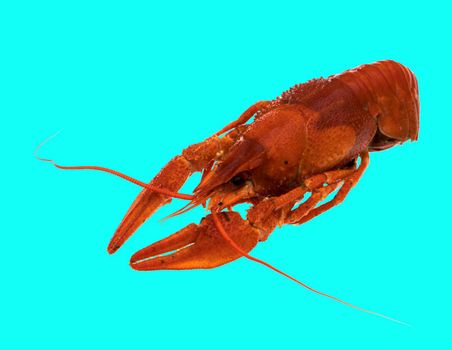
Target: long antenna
234	245
111	171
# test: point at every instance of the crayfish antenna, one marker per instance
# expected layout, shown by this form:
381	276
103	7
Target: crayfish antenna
110	171
226	237
180	211
35	153
196	201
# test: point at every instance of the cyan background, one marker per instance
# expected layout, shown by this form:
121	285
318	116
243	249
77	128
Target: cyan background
134	83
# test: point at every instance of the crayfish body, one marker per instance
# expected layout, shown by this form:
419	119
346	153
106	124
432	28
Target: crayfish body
306	142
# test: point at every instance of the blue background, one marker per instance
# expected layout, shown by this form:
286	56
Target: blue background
132	85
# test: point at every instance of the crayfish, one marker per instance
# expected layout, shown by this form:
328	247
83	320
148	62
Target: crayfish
309	142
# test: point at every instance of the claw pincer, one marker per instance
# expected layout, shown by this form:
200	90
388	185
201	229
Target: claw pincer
198	246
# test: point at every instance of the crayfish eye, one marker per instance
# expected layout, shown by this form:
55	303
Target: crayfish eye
237	180
351	164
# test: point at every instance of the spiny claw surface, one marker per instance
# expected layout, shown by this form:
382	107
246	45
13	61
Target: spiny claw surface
198	246
171	177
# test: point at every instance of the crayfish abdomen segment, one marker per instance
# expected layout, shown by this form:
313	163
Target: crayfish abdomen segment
389	91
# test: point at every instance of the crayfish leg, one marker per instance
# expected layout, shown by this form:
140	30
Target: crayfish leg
245	116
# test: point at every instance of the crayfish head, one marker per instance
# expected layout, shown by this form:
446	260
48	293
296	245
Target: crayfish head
238	190
230	182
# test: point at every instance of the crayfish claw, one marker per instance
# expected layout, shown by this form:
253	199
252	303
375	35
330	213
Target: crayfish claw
198	246
171	177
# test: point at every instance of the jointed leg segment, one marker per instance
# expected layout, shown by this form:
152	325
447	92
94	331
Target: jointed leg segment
247	115
348	184
270	213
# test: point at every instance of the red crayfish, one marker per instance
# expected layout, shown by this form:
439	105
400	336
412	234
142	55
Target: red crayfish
312	140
